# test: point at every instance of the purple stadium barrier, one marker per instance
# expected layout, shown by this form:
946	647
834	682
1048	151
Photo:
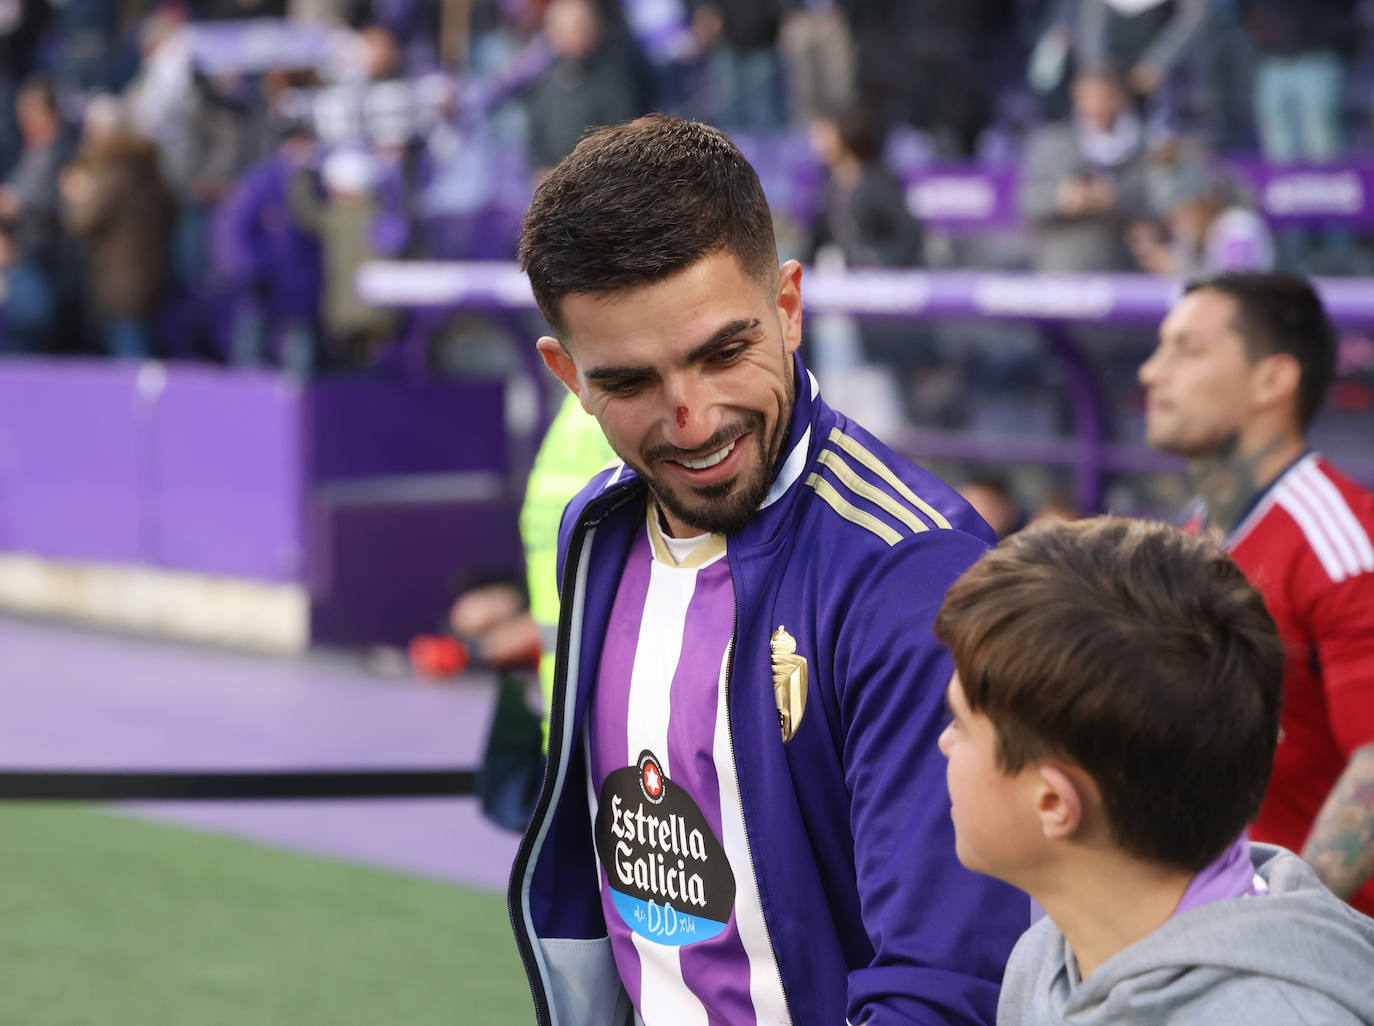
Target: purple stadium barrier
372	495
1049	301
971	198
1091	298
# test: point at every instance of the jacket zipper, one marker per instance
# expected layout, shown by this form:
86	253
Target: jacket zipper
739	791
522	866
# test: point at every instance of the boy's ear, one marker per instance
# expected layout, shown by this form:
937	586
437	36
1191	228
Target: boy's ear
1059	803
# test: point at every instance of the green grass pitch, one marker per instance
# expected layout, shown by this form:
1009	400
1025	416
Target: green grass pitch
113	922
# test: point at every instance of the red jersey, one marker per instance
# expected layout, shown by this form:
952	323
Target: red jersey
1308	546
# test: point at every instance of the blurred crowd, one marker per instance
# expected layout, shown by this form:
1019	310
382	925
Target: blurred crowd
202	178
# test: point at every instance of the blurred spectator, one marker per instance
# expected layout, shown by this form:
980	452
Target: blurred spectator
215	131
27	300
1204	227
346	220
817	52
374	55
158	90
930	64
591	82
1051	45
1222	92
217	10
1050	50
268	264
21	26
863	210
29	201
381	51
1145	39
313	10
1084	181
1303	47
739	39
114	198
497	30
863	221
89	52
1057	506
991	497
412	26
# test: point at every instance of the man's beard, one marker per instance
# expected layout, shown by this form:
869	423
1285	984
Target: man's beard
729	506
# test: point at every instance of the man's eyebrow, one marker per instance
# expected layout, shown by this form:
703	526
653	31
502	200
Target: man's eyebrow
613	373
724	333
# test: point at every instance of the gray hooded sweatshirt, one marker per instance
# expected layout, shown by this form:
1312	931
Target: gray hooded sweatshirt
1295	956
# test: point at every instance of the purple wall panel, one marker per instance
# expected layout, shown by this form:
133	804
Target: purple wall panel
71	463
365	427
212	470
389	572
228	489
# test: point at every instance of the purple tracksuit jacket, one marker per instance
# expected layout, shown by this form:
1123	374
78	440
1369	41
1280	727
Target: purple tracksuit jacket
872	918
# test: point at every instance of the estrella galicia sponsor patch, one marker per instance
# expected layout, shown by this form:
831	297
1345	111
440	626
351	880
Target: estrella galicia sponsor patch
668	875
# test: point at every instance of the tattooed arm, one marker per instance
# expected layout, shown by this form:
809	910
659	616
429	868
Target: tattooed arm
1341	846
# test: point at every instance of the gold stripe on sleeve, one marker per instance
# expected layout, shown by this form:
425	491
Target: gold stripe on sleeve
877	496
876	465
855	516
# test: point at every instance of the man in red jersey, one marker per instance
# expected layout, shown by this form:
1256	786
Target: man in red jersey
1242	365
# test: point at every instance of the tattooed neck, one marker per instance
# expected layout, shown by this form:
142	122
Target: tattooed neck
1229	479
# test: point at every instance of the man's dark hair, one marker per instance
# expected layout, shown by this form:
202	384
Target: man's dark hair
1281	313
1137	652
636	203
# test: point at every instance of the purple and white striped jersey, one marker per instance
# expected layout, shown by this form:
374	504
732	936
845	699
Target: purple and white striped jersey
677	883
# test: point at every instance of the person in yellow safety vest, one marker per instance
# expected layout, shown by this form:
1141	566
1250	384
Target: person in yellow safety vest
506	632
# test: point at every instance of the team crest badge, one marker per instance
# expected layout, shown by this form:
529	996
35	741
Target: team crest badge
789	681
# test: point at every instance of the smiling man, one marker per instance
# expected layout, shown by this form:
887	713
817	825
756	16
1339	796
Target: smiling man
743	819
1242	366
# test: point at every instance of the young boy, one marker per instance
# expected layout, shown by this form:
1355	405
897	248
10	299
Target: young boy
1115	710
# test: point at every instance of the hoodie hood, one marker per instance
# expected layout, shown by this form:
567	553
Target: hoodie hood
1295	955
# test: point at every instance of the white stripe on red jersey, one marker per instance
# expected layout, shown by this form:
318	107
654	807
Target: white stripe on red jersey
1337	538
1342	517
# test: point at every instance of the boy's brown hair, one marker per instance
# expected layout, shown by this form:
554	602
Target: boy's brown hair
1137	652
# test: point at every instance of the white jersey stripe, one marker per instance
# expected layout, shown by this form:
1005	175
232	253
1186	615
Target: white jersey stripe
1302	487
1296	505
1341	517
765	985
664	998
1265	504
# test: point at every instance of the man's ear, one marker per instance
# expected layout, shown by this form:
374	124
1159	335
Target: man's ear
1059	802
556	358
790	304
1276	380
